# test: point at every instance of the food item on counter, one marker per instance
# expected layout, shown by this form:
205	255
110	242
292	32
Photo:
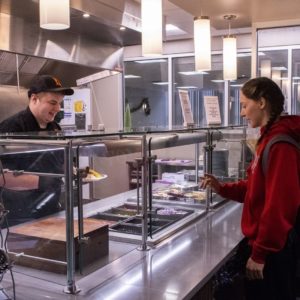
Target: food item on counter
162	195
92	174
169	211
196	195
176	193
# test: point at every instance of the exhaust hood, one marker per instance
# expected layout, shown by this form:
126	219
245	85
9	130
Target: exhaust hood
29	67
87	47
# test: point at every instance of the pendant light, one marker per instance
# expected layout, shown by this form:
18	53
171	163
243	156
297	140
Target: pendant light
55	14
202	43
229	53
276	77
265	68
151	27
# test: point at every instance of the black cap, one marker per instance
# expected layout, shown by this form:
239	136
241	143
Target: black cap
47	83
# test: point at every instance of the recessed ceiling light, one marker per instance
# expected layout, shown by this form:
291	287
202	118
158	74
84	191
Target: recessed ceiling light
150	61
187	87
128	76
174	30
160	82
86	15
190	73
217	80
279	68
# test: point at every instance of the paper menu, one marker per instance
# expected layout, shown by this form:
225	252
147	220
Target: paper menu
212	110
186	107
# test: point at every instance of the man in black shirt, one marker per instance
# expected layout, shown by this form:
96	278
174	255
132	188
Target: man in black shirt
45	97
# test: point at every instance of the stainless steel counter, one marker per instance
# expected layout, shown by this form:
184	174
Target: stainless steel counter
175	269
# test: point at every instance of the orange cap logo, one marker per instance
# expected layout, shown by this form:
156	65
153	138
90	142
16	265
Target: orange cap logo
57	82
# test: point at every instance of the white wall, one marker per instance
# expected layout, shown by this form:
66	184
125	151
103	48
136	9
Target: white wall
107	102
107	109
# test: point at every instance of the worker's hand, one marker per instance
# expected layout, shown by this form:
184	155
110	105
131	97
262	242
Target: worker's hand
254	270
210	181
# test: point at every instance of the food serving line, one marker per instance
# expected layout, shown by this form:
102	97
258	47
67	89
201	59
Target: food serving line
177	268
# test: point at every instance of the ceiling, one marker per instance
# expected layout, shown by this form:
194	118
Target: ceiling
246	11
182	12
108	15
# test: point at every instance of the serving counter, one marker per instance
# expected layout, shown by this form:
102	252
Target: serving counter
157	221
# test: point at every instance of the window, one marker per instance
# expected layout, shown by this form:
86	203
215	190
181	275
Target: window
296	81
198	84
243	74
146	92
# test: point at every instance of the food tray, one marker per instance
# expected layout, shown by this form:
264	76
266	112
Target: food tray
154	222
109	217
123	210
132	228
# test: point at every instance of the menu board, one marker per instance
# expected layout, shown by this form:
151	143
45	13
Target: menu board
77	110
212	110
186	107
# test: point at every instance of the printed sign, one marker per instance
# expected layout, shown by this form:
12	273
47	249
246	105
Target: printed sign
212	110
186	107
77	109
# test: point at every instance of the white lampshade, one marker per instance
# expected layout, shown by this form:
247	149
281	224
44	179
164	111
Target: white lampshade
265	68
276	77
202	44
152	27
55	14
229	58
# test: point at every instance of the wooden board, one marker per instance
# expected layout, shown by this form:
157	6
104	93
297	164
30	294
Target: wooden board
44	243
54	228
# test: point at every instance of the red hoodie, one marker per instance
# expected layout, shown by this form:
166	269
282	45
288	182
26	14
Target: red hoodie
270	202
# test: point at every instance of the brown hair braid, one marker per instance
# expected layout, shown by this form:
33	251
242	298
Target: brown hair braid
263	87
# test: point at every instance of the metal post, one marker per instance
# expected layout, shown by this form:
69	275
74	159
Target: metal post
208	148
138	165
143	246
71	287
81	239
243	158
196	163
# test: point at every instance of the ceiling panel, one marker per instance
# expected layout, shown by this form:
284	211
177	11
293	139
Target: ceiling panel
247	11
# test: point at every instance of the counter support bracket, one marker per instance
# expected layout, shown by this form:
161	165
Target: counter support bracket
144	246
71	287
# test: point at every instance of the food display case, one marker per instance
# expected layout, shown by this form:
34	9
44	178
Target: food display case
96	210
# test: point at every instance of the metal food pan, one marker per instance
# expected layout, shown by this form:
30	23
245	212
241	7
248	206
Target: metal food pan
109	217
131	228
154	221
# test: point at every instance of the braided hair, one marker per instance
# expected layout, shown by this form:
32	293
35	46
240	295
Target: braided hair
259	87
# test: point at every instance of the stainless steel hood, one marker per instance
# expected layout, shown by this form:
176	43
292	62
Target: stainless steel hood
88	46
106	17
20	70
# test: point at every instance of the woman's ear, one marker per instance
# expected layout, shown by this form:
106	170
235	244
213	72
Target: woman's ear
262	103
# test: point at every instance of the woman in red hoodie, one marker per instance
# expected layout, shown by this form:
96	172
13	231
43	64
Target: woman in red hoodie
271	200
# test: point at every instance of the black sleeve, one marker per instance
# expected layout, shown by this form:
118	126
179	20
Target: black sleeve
49	184
11	125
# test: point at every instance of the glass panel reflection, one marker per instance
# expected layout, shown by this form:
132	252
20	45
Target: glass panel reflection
146	92
199	85
296	81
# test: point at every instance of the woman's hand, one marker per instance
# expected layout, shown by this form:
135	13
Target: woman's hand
210	181
254	270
